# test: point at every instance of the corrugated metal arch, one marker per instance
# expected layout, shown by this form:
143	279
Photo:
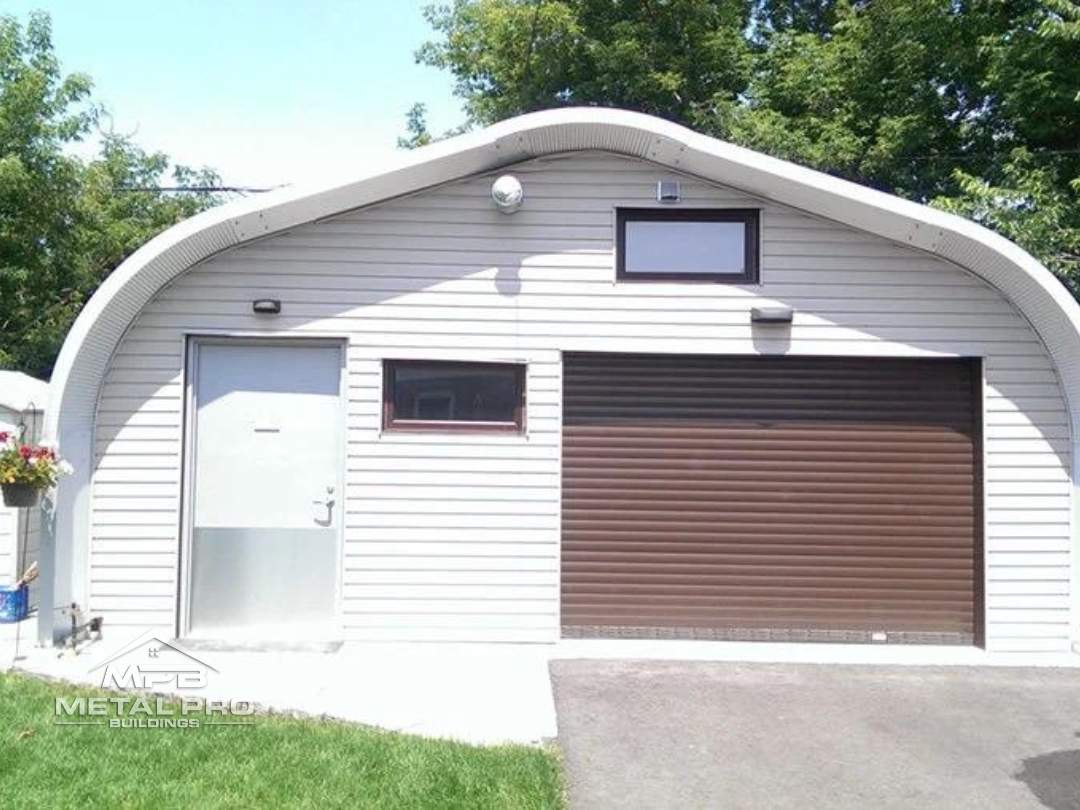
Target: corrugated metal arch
86	352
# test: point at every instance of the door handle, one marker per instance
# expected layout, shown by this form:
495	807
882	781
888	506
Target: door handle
328	502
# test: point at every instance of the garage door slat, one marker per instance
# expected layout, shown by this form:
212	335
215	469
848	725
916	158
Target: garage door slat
815	585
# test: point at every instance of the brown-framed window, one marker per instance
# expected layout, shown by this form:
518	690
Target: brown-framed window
687	244
450	395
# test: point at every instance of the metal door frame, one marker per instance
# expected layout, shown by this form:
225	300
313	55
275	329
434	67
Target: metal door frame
192	342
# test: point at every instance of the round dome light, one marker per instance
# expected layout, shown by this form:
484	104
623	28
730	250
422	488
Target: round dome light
507	193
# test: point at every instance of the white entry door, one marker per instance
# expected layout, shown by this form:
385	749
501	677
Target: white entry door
266	450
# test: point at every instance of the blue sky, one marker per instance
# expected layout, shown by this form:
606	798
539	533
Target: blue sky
265	91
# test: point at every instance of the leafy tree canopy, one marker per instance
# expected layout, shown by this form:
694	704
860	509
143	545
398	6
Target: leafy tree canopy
65	223
970	105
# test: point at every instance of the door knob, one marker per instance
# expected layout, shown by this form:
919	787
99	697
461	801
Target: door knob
328	502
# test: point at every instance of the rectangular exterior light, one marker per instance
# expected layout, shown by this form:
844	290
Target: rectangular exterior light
771	314
266	306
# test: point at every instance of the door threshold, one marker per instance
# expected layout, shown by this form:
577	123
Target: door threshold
258	645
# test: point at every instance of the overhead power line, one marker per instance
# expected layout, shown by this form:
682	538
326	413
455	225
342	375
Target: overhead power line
991	155
961	156
200	189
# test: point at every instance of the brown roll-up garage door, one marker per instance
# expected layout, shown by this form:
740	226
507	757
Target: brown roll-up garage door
771	498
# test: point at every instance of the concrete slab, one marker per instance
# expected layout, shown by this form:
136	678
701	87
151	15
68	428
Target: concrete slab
480	694
16	637
652	734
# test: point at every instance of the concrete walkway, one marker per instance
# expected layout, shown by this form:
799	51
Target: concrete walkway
649	734
471	692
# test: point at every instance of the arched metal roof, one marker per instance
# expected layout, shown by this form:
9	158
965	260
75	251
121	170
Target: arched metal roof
1050	309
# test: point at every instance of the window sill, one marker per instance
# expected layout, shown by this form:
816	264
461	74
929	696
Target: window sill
483	428
673	278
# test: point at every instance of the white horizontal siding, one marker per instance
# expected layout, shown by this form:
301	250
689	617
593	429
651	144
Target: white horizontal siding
8	542
456	536
8	518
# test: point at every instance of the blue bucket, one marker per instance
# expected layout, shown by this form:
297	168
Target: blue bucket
14	604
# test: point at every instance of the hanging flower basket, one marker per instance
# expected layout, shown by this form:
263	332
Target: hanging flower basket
26	470
20	495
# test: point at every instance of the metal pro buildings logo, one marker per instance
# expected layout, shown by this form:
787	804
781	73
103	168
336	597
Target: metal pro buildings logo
153	664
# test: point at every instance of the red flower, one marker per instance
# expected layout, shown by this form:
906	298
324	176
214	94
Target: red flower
25	452
3	437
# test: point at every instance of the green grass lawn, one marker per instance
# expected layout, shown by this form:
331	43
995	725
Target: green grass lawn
276	762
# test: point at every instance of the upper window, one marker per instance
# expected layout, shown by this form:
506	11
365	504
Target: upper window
435	395
687	244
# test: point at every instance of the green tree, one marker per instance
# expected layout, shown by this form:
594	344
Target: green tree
416	126
40	111
514	56
1031	192
1030	205
972	105
418	132
122	205
66	223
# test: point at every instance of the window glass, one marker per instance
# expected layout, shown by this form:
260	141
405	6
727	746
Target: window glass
443	392
685	247
666	244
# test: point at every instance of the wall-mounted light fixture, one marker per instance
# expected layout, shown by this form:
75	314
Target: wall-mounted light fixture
507	194
266	306
771	315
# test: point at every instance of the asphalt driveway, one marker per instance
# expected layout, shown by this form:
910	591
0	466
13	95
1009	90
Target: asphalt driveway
643	734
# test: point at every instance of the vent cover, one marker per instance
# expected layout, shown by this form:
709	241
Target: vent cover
667	191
